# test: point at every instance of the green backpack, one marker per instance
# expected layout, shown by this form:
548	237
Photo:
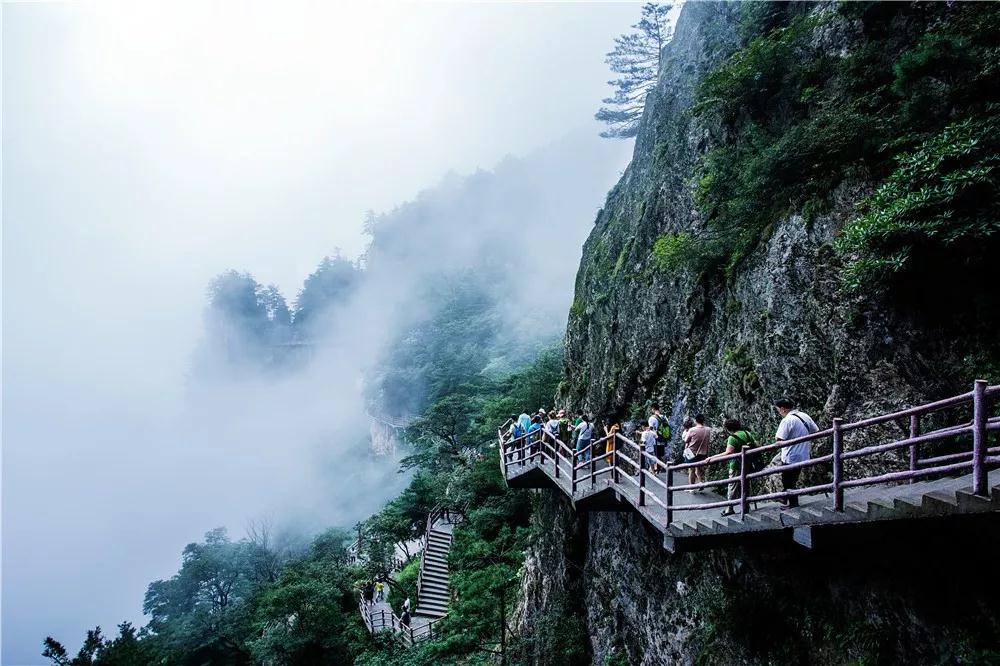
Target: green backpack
756	463
664	432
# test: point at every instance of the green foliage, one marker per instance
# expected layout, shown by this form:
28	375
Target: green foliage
800	119
405	584
125	650
636	59
673	252
941	199
309	615
330	285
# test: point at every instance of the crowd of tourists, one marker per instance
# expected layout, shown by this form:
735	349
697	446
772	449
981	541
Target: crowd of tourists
654	437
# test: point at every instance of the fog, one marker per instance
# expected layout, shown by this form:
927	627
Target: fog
147	149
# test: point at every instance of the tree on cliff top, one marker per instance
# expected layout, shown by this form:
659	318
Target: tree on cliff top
636	57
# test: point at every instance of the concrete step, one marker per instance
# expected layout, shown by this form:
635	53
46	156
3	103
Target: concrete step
433	613
436	564
434	574
441	555
940	502
969	501
436	604
881	509
433	595
434	584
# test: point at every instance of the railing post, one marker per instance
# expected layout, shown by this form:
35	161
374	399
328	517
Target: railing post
914	431
744	483
642	483
593	462
669	496
555	454
614	459
572	467
838	465
979	480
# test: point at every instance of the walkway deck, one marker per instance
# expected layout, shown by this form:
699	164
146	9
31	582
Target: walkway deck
962	482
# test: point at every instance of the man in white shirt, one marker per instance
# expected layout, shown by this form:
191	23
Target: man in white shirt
794	424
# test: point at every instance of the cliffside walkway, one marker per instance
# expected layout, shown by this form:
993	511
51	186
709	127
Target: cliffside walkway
948	469
433	586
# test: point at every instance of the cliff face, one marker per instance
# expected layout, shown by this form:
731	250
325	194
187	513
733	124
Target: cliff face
779	324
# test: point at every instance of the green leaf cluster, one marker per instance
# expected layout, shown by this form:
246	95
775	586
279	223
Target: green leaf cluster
795	118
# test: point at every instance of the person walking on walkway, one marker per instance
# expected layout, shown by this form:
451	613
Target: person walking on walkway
534	434
697	440
648	438
524	421
583	433
514	431
655	420
552	427
794	424
738	438
406	605
379	591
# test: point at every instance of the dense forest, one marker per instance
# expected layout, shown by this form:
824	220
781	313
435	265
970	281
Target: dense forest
794	109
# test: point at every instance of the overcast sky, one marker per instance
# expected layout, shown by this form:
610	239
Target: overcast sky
147	148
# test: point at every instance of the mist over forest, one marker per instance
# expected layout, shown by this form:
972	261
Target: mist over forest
270	427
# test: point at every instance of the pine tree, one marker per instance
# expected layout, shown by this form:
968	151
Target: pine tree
636	57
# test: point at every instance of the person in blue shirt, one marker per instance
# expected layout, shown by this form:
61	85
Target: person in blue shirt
534	429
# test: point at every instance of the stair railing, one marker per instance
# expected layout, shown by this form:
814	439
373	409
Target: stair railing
628	464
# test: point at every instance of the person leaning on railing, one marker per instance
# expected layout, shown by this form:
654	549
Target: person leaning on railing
794	424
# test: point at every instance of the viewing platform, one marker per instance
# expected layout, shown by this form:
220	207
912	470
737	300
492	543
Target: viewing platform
949	470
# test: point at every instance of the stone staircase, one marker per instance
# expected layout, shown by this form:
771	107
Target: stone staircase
433	587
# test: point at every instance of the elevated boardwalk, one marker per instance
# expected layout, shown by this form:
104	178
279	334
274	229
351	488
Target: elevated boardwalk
950	470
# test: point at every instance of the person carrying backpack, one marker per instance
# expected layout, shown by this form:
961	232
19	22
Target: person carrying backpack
664	434
738	438
515	428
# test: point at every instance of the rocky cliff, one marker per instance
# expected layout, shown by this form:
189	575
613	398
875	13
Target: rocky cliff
726	340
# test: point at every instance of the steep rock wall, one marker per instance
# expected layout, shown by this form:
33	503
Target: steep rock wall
779	325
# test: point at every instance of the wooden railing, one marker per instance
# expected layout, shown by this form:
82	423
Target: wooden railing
381	619
623	461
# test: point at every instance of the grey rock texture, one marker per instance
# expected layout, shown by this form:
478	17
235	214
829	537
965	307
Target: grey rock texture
780	325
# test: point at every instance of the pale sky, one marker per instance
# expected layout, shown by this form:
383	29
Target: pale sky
148	147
